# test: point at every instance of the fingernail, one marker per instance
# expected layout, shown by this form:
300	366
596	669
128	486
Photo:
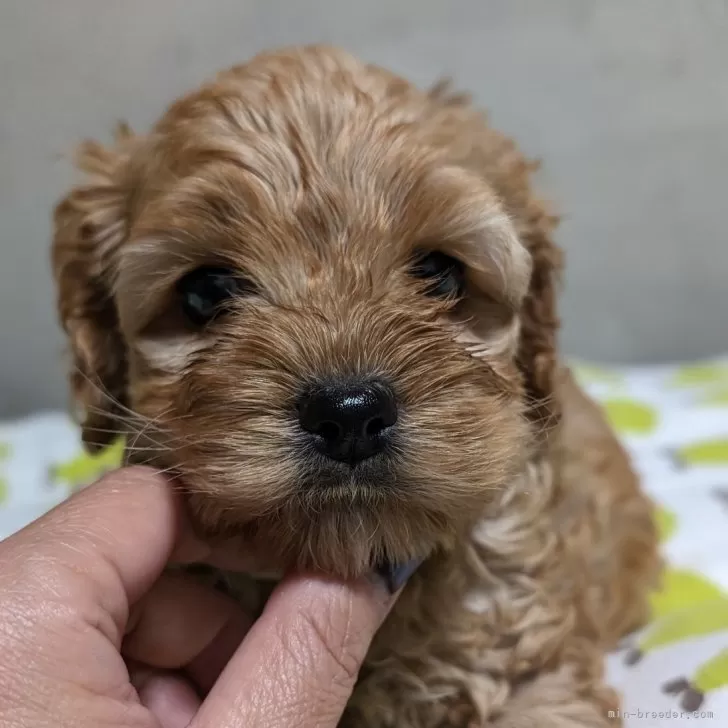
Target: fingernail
396	575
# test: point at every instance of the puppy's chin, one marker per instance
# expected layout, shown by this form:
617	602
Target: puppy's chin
344	529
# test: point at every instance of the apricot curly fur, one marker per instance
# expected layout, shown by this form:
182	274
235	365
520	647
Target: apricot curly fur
318	177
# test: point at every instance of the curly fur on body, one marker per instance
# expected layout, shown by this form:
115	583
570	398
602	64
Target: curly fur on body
318	177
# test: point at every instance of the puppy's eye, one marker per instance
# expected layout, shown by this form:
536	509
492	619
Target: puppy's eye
204	292
444	274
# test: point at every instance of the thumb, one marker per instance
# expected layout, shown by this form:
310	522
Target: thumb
300	661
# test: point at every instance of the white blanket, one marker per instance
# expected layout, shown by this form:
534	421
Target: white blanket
674	421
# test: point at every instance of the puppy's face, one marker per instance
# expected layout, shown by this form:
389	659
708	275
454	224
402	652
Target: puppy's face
317	332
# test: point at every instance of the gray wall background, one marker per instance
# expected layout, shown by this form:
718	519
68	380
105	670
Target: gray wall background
626	102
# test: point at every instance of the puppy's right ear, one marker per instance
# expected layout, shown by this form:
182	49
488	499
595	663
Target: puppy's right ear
90	224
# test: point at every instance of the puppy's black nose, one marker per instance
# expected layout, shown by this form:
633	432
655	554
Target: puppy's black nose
350	421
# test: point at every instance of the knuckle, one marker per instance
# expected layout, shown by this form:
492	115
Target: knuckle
339	645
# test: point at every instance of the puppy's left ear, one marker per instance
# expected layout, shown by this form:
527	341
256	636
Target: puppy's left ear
498	160
516	265
537	355
90	224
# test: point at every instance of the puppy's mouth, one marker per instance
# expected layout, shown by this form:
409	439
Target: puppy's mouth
347	522
370	480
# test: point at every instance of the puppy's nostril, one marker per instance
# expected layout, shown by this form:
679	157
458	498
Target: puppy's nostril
329	431
374	427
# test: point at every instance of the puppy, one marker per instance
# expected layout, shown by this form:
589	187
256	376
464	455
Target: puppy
326	300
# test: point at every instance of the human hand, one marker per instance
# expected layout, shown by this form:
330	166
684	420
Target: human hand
93	633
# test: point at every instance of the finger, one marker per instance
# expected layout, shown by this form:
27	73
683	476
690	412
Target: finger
104	547
182	623
300	660
168	696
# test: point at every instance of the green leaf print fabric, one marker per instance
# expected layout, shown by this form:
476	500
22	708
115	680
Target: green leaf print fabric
674	422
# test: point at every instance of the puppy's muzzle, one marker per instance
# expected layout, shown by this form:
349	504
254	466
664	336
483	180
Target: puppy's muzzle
349	421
